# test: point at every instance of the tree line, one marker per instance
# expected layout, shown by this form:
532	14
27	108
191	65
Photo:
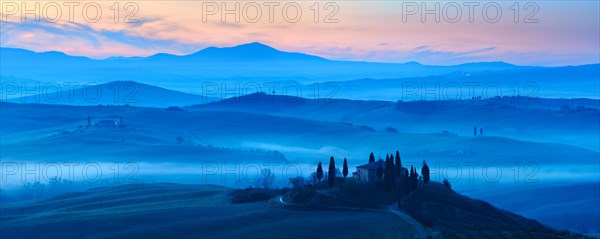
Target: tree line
393	175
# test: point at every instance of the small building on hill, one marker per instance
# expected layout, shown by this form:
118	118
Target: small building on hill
107	123
368	172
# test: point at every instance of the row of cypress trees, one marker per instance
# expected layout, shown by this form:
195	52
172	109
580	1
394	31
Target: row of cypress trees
331	171
393	170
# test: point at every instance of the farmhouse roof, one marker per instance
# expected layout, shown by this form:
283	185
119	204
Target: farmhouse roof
373	165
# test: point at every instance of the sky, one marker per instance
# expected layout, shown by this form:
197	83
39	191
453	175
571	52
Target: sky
549	33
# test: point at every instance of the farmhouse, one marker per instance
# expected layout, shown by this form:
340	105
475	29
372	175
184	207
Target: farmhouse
107	123
368	172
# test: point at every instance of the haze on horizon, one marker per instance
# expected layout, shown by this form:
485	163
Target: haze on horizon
560	33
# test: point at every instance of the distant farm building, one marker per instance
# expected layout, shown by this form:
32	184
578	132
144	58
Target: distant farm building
107	123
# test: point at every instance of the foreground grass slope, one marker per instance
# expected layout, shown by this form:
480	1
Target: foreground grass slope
183	211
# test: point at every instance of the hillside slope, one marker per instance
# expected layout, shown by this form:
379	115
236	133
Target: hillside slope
302	140
451	215
530	119
182	211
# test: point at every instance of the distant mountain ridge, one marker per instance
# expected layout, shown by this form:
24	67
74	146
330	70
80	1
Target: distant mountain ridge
247	52
253	61
259	63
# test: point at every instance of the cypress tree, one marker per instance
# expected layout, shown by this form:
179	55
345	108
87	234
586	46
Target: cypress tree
331	172
389	173
412	178
425	172
345	170
406	184
319	172
392	169
379	172
371	158
398	164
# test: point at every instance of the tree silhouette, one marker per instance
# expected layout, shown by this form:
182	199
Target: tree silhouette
319	172
412	174
371	158
392	169
398	164
414	179
389	172
386	173
379	172
425	172
345	169
297	182
447	183
266	178
406	184
331	172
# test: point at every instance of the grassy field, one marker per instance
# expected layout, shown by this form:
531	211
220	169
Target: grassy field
183	211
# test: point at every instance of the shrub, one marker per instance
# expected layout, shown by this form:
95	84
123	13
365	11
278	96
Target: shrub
301	195
297	182
447	184
252	195
174	108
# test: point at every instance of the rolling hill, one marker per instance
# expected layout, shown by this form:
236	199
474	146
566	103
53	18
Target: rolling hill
187	211
563	201
539	119
451	215
175	143
182	211
566	82
60	127
112	93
